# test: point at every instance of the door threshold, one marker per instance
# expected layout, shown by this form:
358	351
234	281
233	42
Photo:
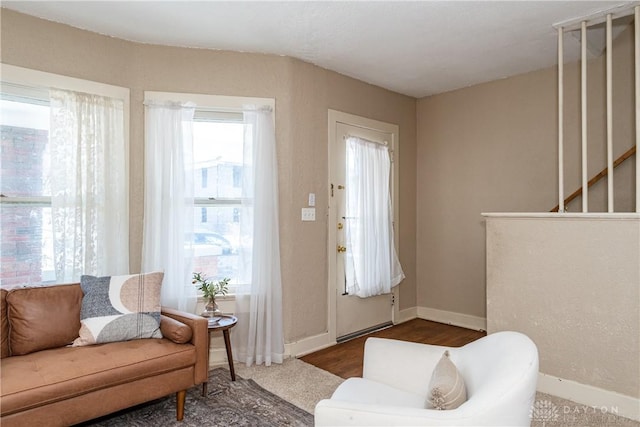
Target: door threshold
362	332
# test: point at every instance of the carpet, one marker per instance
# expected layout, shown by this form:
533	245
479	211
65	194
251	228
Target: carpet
295	381
239	403
553	411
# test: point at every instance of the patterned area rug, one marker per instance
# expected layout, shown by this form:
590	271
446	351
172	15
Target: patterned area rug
239	403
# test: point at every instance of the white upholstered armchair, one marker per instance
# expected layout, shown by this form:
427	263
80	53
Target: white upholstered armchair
499	371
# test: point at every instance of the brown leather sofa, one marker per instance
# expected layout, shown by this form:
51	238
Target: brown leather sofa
46	382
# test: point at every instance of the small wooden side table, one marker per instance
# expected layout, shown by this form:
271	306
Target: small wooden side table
223	323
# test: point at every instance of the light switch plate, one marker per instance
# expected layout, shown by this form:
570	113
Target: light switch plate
308	214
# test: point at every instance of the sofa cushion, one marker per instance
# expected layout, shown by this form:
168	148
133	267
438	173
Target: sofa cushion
446	388
119	308
43	317
53	375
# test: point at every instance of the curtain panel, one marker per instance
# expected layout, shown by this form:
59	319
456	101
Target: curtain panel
168	200
89	188
259	338
371	265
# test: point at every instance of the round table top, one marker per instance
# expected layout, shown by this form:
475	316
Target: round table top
223	321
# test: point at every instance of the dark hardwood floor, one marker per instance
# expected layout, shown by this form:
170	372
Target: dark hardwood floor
345	359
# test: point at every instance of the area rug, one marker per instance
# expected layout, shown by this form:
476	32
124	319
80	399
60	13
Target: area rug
239	403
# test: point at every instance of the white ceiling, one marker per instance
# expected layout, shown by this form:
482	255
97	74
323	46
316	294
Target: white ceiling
417	48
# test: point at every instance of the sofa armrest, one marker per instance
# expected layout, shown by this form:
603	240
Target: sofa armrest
175	330
199	338
403	365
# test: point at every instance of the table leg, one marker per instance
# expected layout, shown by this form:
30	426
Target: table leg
227	344
204	384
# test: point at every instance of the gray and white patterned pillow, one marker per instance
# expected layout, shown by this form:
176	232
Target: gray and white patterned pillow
119	308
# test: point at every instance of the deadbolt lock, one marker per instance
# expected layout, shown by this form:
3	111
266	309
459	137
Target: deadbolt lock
341	248
340	226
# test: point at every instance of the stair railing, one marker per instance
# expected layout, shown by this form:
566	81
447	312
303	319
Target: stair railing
582	23
604	172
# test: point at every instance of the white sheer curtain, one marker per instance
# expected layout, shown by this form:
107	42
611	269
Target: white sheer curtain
372	266
89	186
168	200
258	337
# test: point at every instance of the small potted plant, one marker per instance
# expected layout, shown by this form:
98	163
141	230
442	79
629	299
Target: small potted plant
210	289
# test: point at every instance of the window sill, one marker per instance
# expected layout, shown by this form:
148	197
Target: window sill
228	297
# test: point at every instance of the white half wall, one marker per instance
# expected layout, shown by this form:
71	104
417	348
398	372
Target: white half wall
571	282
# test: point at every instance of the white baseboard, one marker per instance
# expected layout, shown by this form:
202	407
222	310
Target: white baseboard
406	315
453	318
321	341
318	342
308	345
593	398
217	357
218	353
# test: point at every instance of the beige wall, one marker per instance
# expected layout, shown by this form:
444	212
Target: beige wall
493	148
573	286
303	94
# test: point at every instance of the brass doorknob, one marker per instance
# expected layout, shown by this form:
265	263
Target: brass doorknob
342	248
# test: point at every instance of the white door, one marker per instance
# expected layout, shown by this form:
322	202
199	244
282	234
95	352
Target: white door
354	315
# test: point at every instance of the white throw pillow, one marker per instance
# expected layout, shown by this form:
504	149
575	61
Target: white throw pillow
446	388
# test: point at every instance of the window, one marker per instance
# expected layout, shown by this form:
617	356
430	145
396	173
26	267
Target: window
32	248
218	157
25	223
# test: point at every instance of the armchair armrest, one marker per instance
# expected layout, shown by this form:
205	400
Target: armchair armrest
403	365
329	412
199	338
